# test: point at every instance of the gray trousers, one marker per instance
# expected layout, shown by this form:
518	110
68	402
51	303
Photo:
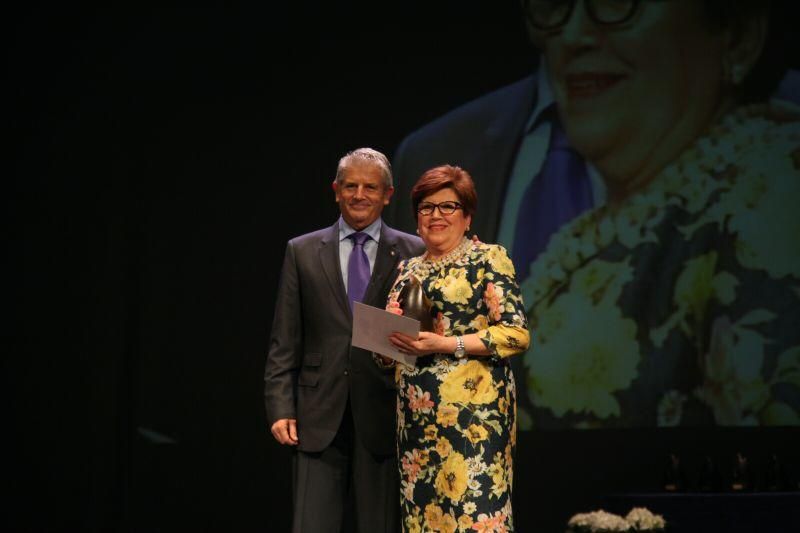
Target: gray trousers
345	488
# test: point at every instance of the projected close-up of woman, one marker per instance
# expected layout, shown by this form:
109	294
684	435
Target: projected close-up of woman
674	303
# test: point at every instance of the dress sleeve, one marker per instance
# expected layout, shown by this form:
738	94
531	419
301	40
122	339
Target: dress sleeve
507	332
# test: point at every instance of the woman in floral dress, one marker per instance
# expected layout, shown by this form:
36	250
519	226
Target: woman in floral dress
678	301
456	407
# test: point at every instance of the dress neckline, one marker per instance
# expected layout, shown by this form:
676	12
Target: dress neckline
451	256
425	265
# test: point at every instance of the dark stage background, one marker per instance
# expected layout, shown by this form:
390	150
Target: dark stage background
162	158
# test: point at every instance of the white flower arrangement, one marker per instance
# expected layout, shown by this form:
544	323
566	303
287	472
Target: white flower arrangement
641	519
638	519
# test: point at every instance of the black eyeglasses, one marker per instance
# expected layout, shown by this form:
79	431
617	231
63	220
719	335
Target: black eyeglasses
445	208
553	14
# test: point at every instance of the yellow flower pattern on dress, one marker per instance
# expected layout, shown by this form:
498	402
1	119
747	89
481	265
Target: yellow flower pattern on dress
678	304
455	288
464	522
461	413
476	433
470	383
448	524
451	481
443	447
500	262
447	415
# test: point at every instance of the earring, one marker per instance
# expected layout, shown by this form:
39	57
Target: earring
417	231
467	228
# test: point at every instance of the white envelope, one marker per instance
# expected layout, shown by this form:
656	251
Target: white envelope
372	327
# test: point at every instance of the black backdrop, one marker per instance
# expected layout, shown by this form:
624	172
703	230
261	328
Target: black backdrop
162	157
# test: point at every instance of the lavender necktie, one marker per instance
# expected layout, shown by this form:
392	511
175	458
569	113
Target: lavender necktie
560	192
357	268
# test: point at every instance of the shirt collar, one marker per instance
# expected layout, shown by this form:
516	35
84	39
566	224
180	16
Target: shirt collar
373	230
544	99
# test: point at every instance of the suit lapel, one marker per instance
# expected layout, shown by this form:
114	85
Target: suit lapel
329	258
385	263
501	142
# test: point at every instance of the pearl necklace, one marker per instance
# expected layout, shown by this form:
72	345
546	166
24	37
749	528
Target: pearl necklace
422	266
687	182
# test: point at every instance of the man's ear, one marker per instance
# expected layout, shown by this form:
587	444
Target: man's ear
335	187
388	195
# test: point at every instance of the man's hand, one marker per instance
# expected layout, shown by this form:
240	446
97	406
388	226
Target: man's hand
285	431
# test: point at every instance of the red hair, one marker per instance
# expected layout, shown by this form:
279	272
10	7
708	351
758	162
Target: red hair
446	177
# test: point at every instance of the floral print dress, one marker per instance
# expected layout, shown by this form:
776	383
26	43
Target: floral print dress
681	305
456	428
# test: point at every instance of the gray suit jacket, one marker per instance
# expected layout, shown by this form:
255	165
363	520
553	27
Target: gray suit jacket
311	368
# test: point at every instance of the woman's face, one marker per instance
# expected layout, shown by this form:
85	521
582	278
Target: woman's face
442	233
632	96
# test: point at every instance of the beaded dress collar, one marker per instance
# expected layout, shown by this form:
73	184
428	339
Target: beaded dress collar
422	266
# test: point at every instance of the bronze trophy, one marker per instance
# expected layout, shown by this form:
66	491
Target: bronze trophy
416	304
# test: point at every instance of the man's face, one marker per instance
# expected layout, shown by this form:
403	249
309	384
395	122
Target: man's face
362	194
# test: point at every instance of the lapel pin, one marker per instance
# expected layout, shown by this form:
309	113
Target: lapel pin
391	253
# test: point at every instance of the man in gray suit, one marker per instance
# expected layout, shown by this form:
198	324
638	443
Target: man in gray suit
326	398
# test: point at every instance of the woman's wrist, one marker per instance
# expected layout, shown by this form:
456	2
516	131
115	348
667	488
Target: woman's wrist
448	344
453	344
